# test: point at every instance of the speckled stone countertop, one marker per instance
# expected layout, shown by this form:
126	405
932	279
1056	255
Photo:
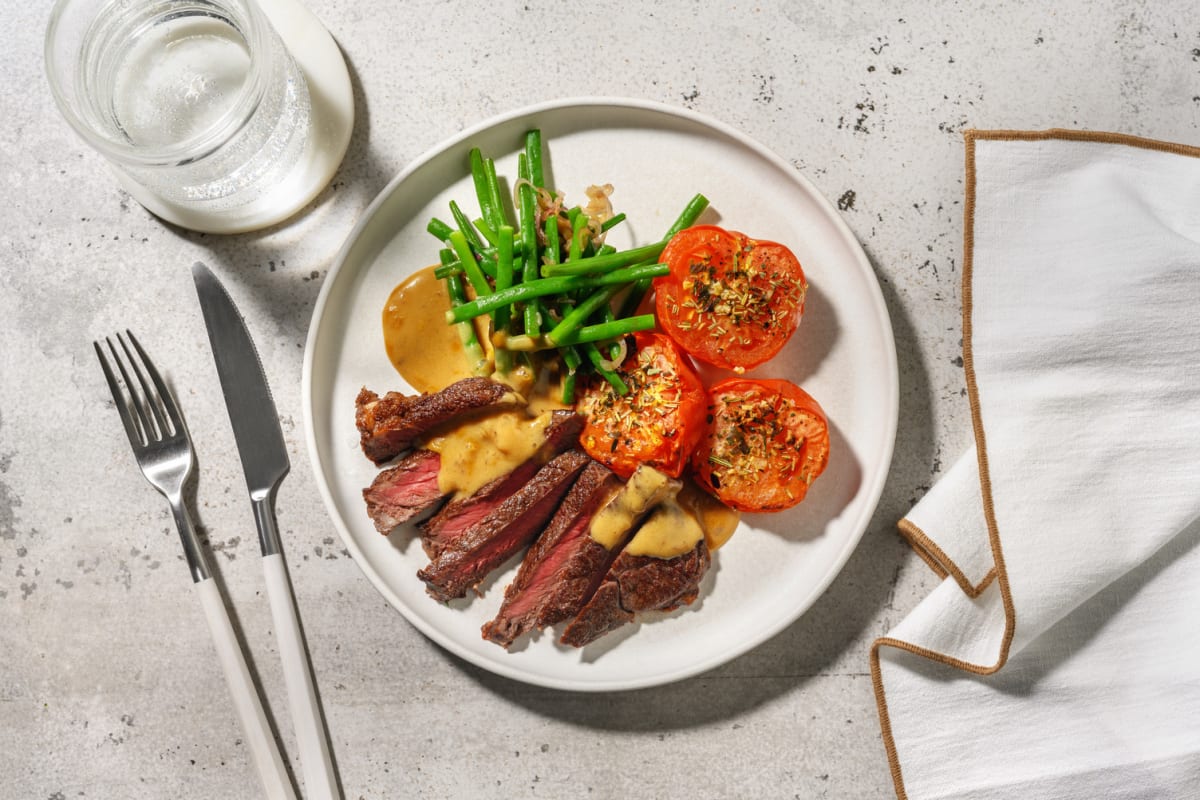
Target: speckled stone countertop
108	684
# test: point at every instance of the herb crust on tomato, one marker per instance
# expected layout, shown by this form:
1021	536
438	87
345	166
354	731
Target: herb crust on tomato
766	441
729	300
657	422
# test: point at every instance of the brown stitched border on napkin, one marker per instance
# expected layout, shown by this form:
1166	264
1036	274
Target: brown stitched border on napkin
926	549
937	560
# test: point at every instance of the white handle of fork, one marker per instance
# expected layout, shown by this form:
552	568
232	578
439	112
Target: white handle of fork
320	780
263	749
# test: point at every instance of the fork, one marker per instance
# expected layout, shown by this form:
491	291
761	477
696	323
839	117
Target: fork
163	450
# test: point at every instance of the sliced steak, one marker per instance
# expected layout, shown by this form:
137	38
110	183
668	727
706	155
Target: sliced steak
637	583
467	560
389	425
565	565
546	588
404	491
460	514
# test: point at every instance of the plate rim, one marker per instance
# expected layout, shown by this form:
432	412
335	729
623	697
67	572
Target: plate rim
874	489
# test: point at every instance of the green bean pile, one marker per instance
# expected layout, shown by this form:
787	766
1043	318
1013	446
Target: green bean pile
542	293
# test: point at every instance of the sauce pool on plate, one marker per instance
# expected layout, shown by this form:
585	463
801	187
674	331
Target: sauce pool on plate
421	346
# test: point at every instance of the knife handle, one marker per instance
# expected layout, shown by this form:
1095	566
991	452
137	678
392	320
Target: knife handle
320	779
263	749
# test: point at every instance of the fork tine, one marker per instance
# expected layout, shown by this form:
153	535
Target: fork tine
136	404
147	405
166	399
131	427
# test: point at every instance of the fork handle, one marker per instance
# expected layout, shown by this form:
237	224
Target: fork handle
263	749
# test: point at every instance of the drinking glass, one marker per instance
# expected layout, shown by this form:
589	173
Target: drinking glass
197	104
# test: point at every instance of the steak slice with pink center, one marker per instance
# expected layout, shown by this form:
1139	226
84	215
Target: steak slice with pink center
461	514
464	562
405	491
562	567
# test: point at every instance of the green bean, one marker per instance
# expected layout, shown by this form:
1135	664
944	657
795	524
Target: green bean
568	389
493	187
487	263
504	258
439	229
579	226
533	153
605	263
527	216
466	330
609	330
542	287
485	231
465	226
488	234
612	222
482	192
458	294
608	315
584	335
609	375
687	218
448	264
504	278
470	266
552	244
581	312
571	358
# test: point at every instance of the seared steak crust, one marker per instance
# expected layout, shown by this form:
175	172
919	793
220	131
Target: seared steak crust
389	425
404	491
465	561
638	583
561	568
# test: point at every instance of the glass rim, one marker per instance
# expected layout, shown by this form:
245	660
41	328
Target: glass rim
256	31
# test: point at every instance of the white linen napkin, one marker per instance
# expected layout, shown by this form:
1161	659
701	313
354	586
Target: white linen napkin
1060	656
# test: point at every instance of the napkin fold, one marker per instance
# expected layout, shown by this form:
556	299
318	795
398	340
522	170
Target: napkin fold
1060	655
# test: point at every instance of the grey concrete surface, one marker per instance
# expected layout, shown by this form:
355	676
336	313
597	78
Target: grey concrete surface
108	685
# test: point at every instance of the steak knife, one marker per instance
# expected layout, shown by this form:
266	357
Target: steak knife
265	462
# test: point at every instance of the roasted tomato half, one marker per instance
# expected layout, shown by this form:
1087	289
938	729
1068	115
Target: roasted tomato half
766	442
658	421
729	300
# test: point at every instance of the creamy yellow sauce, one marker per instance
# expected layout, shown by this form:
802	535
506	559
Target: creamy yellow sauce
477	452
645	488
669	532
429	354
718	520
426	351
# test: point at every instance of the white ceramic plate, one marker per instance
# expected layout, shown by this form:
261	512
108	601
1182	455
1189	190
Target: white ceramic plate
657	157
